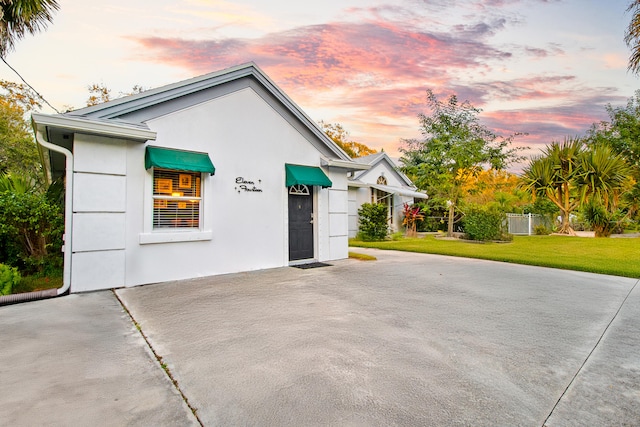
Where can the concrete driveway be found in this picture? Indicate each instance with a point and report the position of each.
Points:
(409, 339)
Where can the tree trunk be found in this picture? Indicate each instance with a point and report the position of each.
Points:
(565, 227)
(452, 210)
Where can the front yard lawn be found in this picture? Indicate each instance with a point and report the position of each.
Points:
(615, 256)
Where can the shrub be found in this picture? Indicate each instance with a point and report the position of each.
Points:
(373, 222)
(9, 277)
(31, 231)
(398, 235)
(541, 230)
(483, 224)
(603, 222)
(412, 215)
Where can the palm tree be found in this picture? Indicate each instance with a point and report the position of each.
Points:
(19, 17)
(603, 174)
(571, 176)
(632, 36)
(553, 175)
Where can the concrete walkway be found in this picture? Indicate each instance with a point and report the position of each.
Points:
(409, 339)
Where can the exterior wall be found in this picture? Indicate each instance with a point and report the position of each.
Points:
(358, 196)
(382, 168)
(99, 203)
(245, 137)
(338, 217)
(398, 207)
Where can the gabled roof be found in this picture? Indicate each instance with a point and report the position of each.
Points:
(124, 109)
(374, 159)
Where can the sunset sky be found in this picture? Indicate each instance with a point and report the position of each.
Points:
(545, 67)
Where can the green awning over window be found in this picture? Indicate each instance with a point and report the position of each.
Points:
(167, 158)
(306, 175)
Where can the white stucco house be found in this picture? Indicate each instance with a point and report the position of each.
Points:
(381, 182)
(218, 174)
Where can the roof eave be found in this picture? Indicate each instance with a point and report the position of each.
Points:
(119, 107)
(117, 130)
(350, 165)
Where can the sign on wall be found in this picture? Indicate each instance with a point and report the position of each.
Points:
(247, 186)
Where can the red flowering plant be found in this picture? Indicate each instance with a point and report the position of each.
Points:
(412, 214)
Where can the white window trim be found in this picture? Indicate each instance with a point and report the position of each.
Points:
(174, 235)
(171, 237)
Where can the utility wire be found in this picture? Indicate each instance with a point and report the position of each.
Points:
(30, 87)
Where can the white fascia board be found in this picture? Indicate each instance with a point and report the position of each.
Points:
(392, 165)
(345, 164)
(118, 130)
(358, 184)
(400, 191)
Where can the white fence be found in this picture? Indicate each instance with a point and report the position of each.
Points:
(525, 223)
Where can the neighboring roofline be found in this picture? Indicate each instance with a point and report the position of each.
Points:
(94, 127)
(409, 192)
(131, 103)
(401, 191)
(357, 184)
(386, 157)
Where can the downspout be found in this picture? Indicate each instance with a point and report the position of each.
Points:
(68, 209)
(68, 219)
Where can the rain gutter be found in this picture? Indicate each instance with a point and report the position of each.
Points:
(68, 219)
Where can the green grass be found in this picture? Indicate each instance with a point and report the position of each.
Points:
(618, 257)
(33, 283)
(361, 257)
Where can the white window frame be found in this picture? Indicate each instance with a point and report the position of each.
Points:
(152, 235)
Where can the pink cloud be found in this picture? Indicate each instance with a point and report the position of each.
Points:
(373, 74)
(322, 56)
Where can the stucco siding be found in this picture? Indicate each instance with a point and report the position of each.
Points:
(99, 193)
(98, 231)
(101, 155)
(99, 213)
(247, 140)
(92, 271)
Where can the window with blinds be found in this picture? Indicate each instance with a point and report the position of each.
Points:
(176, 199)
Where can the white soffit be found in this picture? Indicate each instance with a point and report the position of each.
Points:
(79, 125)
(400, 191)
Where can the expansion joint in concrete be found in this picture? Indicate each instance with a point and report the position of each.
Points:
(564, 392)
(159, 359)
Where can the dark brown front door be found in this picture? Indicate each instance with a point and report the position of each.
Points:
(300, 226)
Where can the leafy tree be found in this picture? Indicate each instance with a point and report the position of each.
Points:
(31, 230)
(21, 17)
(21, 95)
(496, 188)
(18, 152)
(454, 147)
(622, 134)
(341, 137)
(99, 93)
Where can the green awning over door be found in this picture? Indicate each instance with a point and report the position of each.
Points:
(167, 158)
(306, 175)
